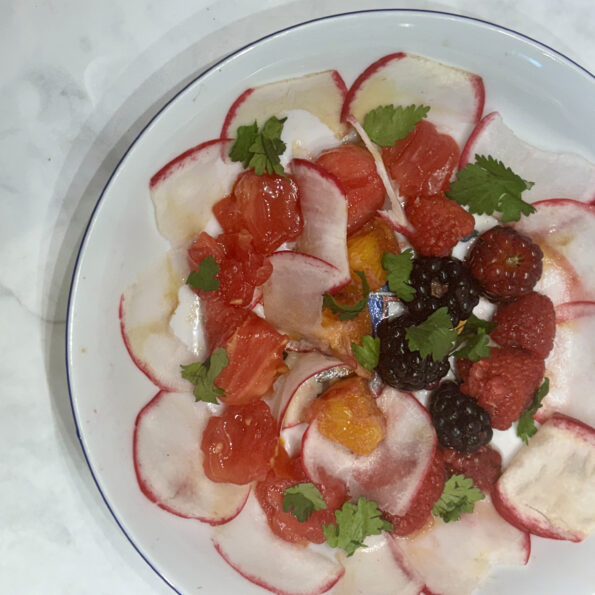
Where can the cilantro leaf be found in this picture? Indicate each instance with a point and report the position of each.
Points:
(240, 151)
(387, 124)
(354, 522)
(398, 268)
(302, 500)
(205, 278)
(473, 340)
(203, 376)
(526, 426)
(367, 354)
(345, 311)
(459, 496)
(487, 186)
(435, 336)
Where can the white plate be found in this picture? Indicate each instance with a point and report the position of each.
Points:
(543, 96)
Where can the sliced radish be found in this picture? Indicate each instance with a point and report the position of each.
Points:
(455, 558)
(455, 97)
(249, 546)
(565, 229)
(548, 488)
(168, 461)
(321, 94)
(324, 211)
(185, 190)
(554, 173)
(394, 472)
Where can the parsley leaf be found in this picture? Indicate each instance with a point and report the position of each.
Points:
(203, 376)
(205, 278)
(387, 124)
(398, 268)
(526, 426)
(302, 500)
(368, 353)
(345, 311)
(435, 336)
(473, 340)
(354, 522)
(240, 151)
(459, 496)
(487, 186)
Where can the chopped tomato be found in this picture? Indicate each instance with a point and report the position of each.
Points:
(239, 444)
(356, 171)
(221, 321)
(422, 163)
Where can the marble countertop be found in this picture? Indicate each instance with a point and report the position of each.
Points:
(78, 81)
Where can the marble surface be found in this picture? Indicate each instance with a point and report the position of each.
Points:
(78, 81)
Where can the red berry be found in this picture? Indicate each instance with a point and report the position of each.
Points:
(529, 323)
(504, 383)
(462, 367)
(483, 466)
(506, 263)
(439, 224)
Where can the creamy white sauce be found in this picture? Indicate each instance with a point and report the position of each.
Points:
(187, 322)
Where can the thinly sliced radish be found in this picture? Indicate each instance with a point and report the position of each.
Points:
(548, 488)
(145, 310)
(249, 546)
(554, 174)
(570, 365)
(394, 472)
(168, 461)
(185, 190)
(324, 211)
(455, 97)
(321, 94)
(565, 229)
(455, 558)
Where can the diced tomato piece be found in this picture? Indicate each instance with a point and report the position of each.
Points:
(422, 163)
(221, 321)
(228, 214)
(239, 444)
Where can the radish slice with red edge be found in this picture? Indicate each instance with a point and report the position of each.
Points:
(553, 173)
(249, 546)
(548, 488)
(455, 97)
(168, 461)
(392, 475)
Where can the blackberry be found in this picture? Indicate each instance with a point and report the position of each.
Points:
(442, 282)
(398, 365)
(460, 422)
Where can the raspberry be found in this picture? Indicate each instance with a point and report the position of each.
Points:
(439, 224)
(459, 421)
(529, 323)
(442, 282)
(484, 466)
(504, 383)
(506, 263)
(462, 367)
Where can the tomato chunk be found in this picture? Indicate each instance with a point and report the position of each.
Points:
(239, 444)
(356, 171)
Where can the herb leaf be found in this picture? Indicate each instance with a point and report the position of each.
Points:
(240, 151)
(459, 496)
(205, 278)
(203, 376)
(487, 186)
(345, 311)
(302, 500)
(398, 268)
(435, 336)
(368, 353)
(526, 426)
(354, 522)
(387, 124)
(473, 340)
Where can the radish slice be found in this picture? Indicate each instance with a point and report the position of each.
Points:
(548, 488)
(249, 546)
(570, 364)
(168, 461)
(455, 97)
(455, 558)
(185, 190)
(565, 229)
(394, 472)
(145, 310)
(554, 173)
(321, 94)
(324, 211)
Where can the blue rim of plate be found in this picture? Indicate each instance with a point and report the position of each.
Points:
(169, 102)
